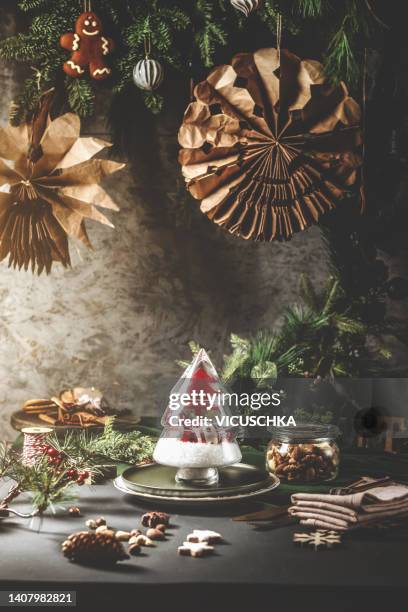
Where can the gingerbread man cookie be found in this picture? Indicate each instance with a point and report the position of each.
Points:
(89, 48)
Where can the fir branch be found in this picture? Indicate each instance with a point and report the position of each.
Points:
(179, 31)
(81, 96)
(26, 102)
(30, 5)
(45, 485)
(341, 61)
(349, 326)
(96, 450)
(323, 337)
(310, 8)
(332, 294)
(154, 102)
(307, 292)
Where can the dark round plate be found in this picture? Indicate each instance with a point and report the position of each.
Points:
(155, 481)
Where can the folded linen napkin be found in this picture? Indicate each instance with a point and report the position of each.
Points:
(342, 512)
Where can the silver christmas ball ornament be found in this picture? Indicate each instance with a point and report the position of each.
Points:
(148, 74)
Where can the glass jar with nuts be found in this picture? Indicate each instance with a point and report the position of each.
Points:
(305, 453)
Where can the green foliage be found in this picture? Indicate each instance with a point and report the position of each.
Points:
(106, 448)
(45, 484)
(340, 57)
(194, 348)
(311, 8)
(83, 451)
(154, 102)
(130, 447)
(5, 459)
(318, 415)
(80, 96)
(209, 33)
(182, 34)
(264, 371)
(322, 337)
(344, 57)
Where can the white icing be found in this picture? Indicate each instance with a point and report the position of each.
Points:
(75, 67)
(196, 548)
(105, 45)
(101, 71)
(204, 535)
(75, 42)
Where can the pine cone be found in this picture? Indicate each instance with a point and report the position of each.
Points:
(92, 548)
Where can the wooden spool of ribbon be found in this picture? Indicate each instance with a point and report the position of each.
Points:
(34, 444)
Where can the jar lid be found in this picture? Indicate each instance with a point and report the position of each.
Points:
(305, 432)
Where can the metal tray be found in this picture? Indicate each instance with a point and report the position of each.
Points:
(156, 482)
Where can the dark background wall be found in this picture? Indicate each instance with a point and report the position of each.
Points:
(125, 312)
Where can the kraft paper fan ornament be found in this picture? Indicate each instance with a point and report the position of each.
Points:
(48, 187)
(269, 146)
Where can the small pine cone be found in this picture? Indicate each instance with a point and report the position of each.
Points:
(152, 519)
(92, 548)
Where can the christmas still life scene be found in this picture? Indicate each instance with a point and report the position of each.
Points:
(204, 290)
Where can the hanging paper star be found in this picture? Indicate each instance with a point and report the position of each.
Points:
(48, 187)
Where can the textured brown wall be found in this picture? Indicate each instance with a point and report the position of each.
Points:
(124, 313)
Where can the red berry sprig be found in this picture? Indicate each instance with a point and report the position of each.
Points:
(55, 458)
(74, 475)
(82, 477)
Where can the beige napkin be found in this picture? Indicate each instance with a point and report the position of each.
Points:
(343, 512)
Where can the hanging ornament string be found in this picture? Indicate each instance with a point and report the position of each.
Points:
(363, 126)
(278, 33)
(87, 6)
(147, 45)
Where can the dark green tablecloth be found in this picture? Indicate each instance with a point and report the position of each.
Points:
(365, 560)
(367, 565)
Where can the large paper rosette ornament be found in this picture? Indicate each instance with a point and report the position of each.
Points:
(269, 145)
(48, 187)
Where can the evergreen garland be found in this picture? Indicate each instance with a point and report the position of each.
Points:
(109, 447)
(186, 35)
(322, 336)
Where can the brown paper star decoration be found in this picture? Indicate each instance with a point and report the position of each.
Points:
(268, 145)
(48, 187)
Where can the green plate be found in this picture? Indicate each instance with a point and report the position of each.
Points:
(156, 482)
